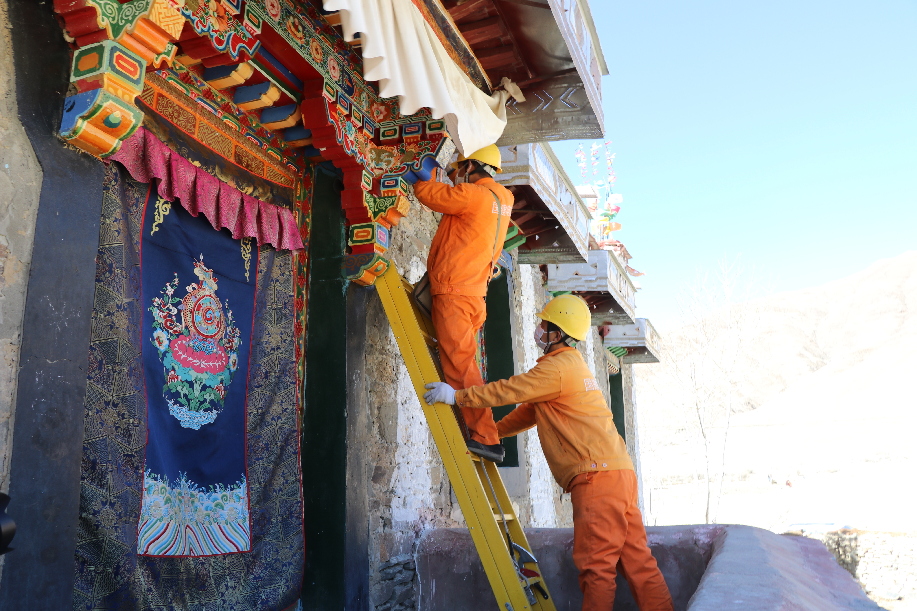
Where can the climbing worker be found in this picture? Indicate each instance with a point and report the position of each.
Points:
(586, 455)
(467, 244)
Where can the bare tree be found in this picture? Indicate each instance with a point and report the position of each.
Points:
(703, 359)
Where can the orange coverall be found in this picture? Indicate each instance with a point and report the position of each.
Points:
(460, 265)
(588, 459)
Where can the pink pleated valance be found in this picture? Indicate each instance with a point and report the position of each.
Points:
(146, 157)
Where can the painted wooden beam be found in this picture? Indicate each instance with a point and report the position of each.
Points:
(252, 97)
(224, 77)
(277, 73)
(187, 60)
(280, 117)
(100, 117)
(483, 30)
(297, 136)
(472, 8)
(497, 57)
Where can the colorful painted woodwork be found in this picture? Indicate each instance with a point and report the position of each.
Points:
(231, 75)
(108, 77)
(222, 26)
(149, 28)
(221, 105)
(253, 97)
(225, 74)
(116, 41)
(380, 152)
(221, 132)
(280, 117)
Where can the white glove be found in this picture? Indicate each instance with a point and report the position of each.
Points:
(439, 392)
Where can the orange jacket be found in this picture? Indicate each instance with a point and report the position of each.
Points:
(463, 251)
(562, 398)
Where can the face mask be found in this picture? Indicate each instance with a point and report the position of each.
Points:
(539, 338)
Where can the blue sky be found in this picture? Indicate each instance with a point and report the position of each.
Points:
(782, 133)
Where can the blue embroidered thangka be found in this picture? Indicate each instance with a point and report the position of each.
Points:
(199, 289)
(191, 435)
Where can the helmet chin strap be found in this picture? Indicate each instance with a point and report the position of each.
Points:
(550, 345)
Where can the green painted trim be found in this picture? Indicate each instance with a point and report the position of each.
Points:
(616, 390)
(117, 17)
(324, 437)
(498, 338)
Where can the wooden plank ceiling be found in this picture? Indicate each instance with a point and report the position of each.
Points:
(485, 28)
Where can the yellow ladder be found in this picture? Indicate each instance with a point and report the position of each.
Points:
(488, 512)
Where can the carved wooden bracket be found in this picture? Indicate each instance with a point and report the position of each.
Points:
(103, 114)
(115, 43)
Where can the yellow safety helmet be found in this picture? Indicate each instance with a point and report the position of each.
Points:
(489, 154)
(570, 313)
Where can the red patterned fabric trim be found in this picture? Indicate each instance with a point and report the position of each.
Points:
(146, 157)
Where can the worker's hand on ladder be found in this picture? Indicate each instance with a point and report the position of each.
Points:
(439, 392)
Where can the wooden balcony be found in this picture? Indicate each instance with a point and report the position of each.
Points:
(551, 216)
(551, 50)
(602, 282)
(640, 340)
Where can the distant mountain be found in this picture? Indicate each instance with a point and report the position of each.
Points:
(824, 409)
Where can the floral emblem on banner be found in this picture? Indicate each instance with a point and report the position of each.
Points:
(197, 343)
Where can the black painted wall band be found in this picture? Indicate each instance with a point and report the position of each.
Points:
(48, 433)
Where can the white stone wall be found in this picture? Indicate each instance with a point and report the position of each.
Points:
(884, 563)
(887, 568)
(632, 429)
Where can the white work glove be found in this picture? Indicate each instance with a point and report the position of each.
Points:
(439, 392)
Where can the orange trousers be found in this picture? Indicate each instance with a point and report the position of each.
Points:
(457, 320)
(608, 532)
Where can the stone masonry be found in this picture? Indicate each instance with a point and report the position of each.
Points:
(20, 185)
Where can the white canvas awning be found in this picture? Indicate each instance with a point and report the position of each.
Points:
(402, 52)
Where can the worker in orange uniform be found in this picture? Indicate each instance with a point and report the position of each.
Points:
(476, 213)
(586, 455)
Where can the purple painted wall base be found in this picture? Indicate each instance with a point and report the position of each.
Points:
(707, 568)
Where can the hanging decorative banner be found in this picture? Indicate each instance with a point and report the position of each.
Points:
(581, 161)
(198, 290)
(197, 475)
(609, 162)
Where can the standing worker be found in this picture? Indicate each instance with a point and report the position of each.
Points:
(466, 246)
(586, 455)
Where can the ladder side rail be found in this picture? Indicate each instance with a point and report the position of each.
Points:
(515, 527)
(410, 326)
(451, 445)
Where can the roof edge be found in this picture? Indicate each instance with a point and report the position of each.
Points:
(593, 34)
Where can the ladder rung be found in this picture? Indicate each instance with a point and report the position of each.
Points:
(431, 341)
(506, 517)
